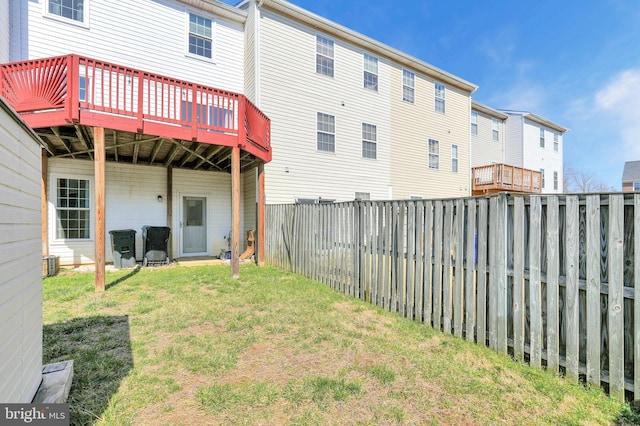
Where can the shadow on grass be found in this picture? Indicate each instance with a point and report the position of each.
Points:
(630, 415)
(101, 349)
(123, 278)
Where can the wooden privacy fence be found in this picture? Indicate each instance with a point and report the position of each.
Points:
(551, 279)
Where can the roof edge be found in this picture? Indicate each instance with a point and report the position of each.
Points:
(325, 25)
(4, 105)
(224, 10)
(488, 110)
(538, 119)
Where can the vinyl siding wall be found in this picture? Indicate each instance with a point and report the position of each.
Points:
(20, 263)
(145, 34)
(132, 202)
(412, 127)
(292, 94)
(514, 141)
(250, 52)
(485, 150)
(536, 157)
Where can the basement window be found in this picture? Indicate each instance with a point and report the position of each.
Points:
(73, 209)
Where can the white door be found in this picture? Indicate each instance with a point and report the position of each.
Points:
(194, 225)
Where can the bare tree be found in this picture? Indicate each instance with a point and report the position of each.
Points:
(578, 180)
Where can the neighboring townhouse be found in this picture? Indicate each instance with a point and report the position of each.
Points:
(487, 135)
(352, 117)
(535, 143)
(631, 176)
(155, 89)
(490, 172)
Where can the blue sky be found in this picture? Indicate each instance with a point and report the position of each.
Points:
(576, 63)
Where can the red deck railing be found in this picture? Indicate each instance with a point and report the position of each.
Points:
(74, 89)
(501, 177)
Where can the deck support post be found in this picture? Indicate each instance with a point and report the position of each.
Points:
(261, 210)
(43, 197)
(170, 210)
(235, 212)
(100, 186)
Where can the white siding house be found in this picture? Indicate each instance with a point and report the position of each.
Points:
(20, 260)
(190, 40)
(535, 143)
(145, 34)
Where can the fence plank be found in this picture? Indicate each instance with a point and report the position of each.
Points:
(380, 256)
(411, 231)
(447, 276)
(492, 287)
(427, 264)
(458, 292)
(469, 284)
(519, 307)
(636, 299)
(437, 265)
(571, 302)
(481, 300)
(615, 309)
(419, 244)
(593, 289)
(535, 290)
(402, 257)
(388, 256)
(501, 274)
(553, 295)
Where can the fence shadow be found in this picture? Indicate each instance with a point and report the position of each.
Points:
(101, 349)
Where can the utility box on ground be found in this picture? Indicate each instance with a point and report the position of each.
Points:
(123, 245)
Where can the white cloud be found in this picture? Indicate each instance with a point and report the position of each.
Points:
(620, 99)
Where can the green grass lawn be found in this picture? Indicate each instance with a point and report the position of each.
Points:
(178, 345)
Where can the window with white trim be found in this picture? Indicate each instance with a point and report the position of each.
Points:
(369, 141)
(200, 36)
(370, 64)
(324, 56)
(555, 142)
(408, 86)
(555, 180)
(636, 186)
(326, 139)
(434, 154)
(474, 123)
(495, 128)
(73, 209)
(82, 89)
(454, 158)
(542, 173)
(541, 137)
(363, 196)
(440, 89)
(69, 9)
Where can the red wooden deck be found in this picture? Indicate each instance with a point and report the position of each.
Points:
(72, 89)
